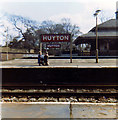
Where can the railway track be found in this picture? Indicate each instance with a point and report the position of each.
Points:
(60, 94)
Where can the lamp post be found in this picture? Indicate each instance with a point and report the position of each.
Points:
(96, 14)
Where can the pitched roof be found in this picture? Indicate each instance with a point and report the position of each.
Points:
(105, 30)
(100, 34)
(110, 23)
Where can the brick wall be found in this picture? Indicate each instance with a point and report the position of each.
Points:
(3, 56)
(12, 53)
(5, 49)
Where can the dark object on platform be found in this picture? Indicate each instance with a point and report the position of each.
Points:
(46, 59)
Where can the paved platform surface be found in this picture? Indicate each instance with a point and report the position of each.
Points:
(60, 110)
(61, 63)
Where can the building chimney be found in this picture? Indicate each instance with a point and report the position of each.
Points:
(117, 10)
(116, 14)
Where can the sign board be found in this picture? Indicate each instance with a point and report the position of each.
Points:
(55, 37)
(58, 38)
(53, 45)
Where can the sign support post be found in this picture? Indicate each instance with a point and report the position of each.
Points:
(70, 49)
(40, 46)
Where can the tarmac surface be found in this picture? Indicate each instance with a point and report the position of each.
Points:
(61, 63)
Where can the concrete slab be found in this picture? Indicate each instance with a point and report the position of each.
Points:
(59, 110)
(35, 110)
(96, 110)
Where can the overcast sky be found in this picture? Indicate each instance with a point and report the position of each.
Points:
(80, 12)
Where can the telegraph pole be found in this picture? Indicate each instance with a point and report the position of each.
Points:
(7, 44)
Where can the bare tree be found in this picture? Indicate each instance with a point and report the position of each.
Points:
(70, 29)
(26, 28)
(104, 17)
(30, 31)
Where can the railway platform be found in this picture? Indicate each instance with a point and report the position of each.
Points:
(61, 63)
(60, 71)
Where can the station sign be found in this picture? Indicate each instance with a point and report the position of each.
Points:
(53, 45)
(55, 37)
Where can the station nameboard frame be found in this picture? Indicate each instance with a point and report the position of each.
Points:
(58, 38)
(55, 37)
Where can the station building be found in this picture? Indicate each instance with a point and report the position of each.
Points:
(107, 38)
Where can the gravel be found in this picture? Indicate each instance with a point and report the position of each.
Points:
(64, 90)
(102, 99)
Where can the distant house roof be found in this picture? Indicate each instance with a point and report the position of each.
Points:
(106, 30)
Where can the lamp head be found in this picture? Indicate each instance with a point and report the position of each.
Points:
(96, 12)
